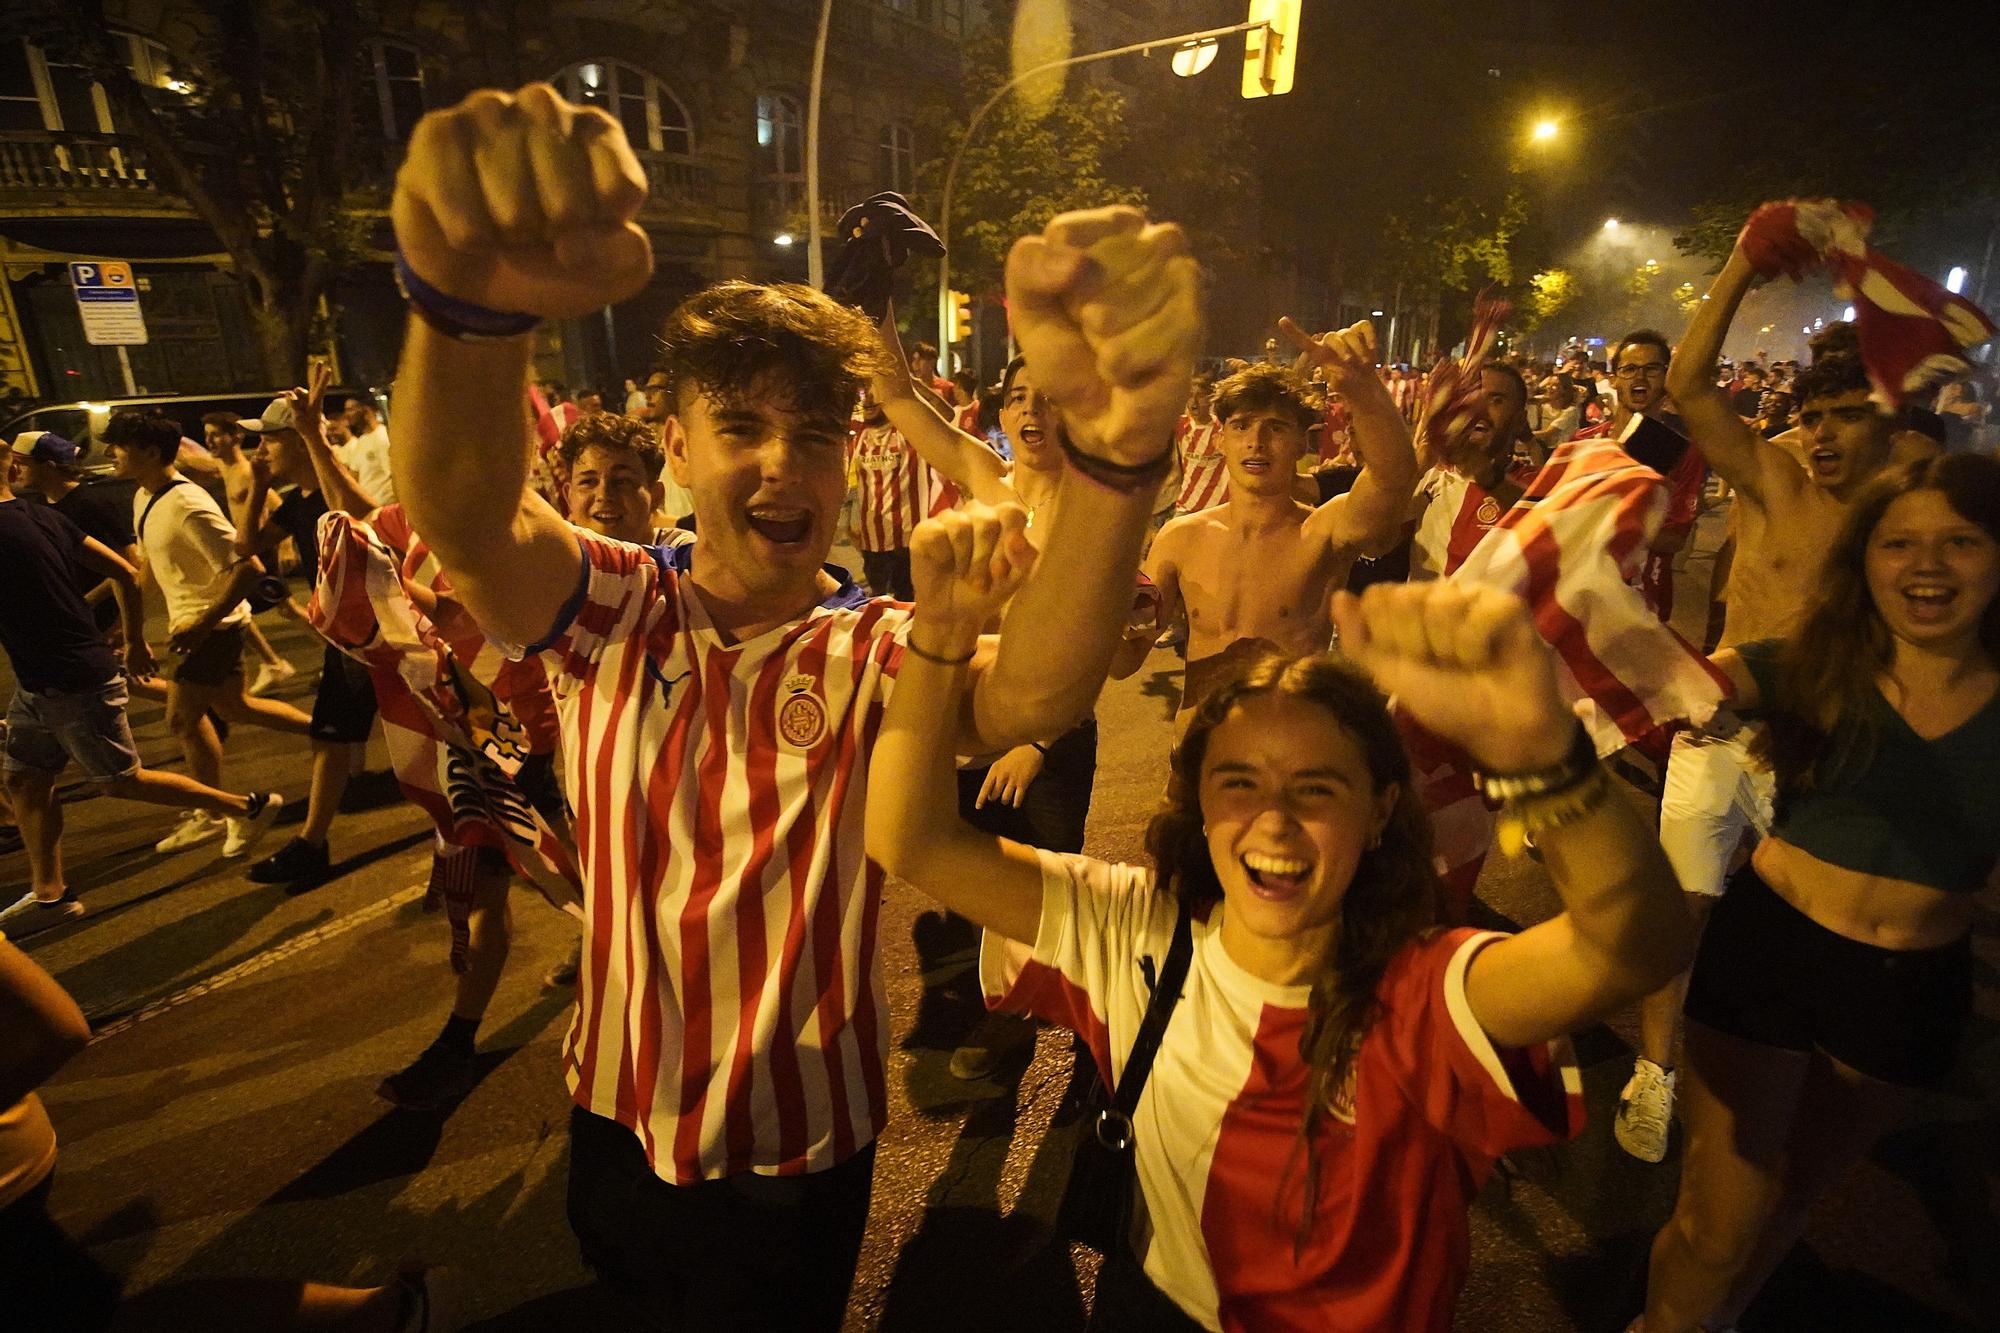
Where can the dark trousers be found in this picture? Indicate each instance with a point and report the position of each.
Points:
(46, 1277)
(744, 1252)
(1128, 1302)
(1057, 805)
(888, 573)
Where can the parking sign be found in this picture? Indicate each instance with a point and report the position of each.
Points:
(107, 301)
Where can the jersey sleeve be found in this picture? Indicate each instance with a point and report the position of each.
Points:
(1684, 490)
(621, 591)
(1088, 969)
(1488, 1099)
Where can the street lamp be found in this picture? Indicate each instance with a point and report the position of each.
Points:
(1611, 224)
(1193, 58)
(1954, 281)
(1545, 130)
(783, 238)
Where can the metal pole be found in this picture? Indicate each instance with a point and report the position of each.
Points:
(815, 265)
(979, 117)
(125, 368)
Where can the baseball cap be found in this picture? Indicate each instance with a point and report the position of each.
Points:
(44, 446)
(277, 416)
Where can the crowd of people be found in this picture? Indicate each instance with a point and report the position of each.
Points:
(615, 664)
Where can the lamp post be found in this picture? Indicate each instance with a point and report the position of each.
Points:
(815, 264)
(979, 118)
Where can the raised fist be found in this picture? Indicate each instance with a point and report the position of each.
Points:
(966, 563)
(523, 202)
(1466, 662)
(1107, 310)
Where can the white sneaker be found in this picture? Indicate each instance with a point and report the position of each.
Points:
(1645, 1112)
(246, 830)
(270, 676)
(195, 828)
(28, 913)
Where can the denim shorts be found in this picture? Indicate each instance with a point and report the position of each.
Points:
(45, 731)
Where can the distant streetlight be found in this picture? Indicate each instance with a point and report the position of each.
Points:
(1611, 224)
(1545, 130)
(1848, 314)
(782, 238)
(1194, 57)
(1376, 313)
(1954, 281)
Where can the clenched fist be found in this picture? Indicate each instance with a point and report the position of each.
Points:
(523, 202)
(966, 563)
(1467, 662)
(1107, 310)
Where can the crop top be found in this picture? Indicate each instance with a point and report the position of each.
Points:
(1925, 811)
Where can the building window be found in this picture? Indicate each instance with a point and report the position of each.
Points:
(781, 153)
(20, 89)
(654, 119)
(37, 93)
(396, 74)
(897, 158)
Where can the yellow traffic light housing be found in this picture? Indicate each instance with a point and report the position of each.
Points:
(1271, 53)
(961, 316)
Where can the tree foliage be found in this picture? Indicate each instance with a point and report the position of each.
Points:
(1450, 245)
(1549, 293)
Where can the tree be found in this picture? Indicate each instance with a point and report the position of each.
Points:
(260, 146)
(1549, 293)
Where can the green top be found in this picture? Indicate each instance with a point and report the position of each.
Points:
(1926, 811)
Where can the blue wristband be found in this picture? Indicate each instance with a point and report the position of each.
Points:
(455, 318)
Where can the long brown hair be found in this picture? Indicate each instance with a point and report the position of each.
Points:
(1393, 897)
(1826, 719)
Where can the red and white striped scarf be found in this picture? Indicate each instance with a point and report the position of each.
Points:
(1913, 332)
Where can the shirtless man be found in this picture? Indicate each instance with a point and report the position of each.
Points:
(1785, 518)
(1256, 572)
(223, 434)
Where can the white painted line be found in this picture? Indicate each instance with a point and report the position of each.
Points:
(269, 958)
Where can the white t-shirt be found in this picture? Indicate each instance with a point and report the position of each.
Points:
(190, 548)
(367, 457)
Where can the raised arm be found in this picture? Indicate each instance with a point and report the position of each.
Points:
(337, 486)
(1732, 448)
(966, 462)
(964, 566)
(122, 577)
(509, 208)
(1469, 665)
(1107, 310)
(1369, 518)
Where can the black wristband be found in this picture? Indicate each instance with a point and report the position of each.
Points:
(1124, 478)
(1576, 765)
(458, 319)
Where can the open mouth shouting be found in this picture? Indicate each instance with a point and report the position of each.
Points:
(1928, 602)
(781, 525)
(1825, 462)
(1276, 877)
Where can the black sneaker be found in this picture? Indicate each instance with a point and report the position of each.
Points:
(298, 863)
(439, 1075)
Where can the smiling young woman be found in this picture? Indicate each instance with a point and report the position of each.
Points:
(1834, 979)
(1337, 1073)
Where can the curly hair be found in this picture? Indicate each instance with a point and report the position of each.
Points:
(1267, 386)
(728, 339)
(1826, 720)
(155, 432)
(1834, 375)
(613, 430)
(1395, 894)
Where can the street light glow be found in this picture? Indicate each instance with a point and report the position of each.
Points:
(1546, 130)
(782, 238)
(1376, 313)
(1611, 224)
(1954, 281)
(1191, 58)
(1848, 314)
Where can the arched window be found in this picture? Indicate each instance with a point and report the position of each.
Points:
(654, 119)
(897, 157)
(781, 136)
(395, 80)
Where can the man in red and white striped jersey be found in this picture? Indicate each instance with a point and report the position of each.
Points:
(1460, 498)
(719, 701)
(893, 491)
(1197, 448)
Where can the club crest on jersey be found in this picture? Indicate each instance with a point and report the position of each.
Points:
(1488, 513)
(801, 714)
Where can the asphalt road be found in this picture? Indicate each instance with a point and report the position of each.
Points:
(224, 1122)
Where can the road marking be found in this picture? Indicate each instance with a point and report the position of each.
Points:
(269, 958)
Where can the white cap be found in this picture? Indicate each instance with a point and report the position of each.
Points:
(277, 416)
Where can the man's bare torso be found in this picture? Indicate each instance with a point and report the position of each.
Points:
(1781, 547)
(1267, 582)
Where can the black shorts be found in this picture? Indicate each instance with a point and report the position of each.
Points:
(48, 1277)
(344, 704)
(1057, 804)
(219, 657)
(1768, 973)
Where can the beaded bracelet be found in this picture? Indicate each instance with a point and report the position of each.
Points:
(1577, 763)
(1528, 818)
(456, 319)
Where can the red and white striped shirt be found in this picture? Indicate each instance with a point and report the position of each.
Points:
(894, 488)
(1204, 476)
(1432, 1104)
(731, 1009)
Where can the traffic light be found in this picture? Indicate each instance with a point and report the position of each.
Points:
(1270, 55)
(961, 317)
